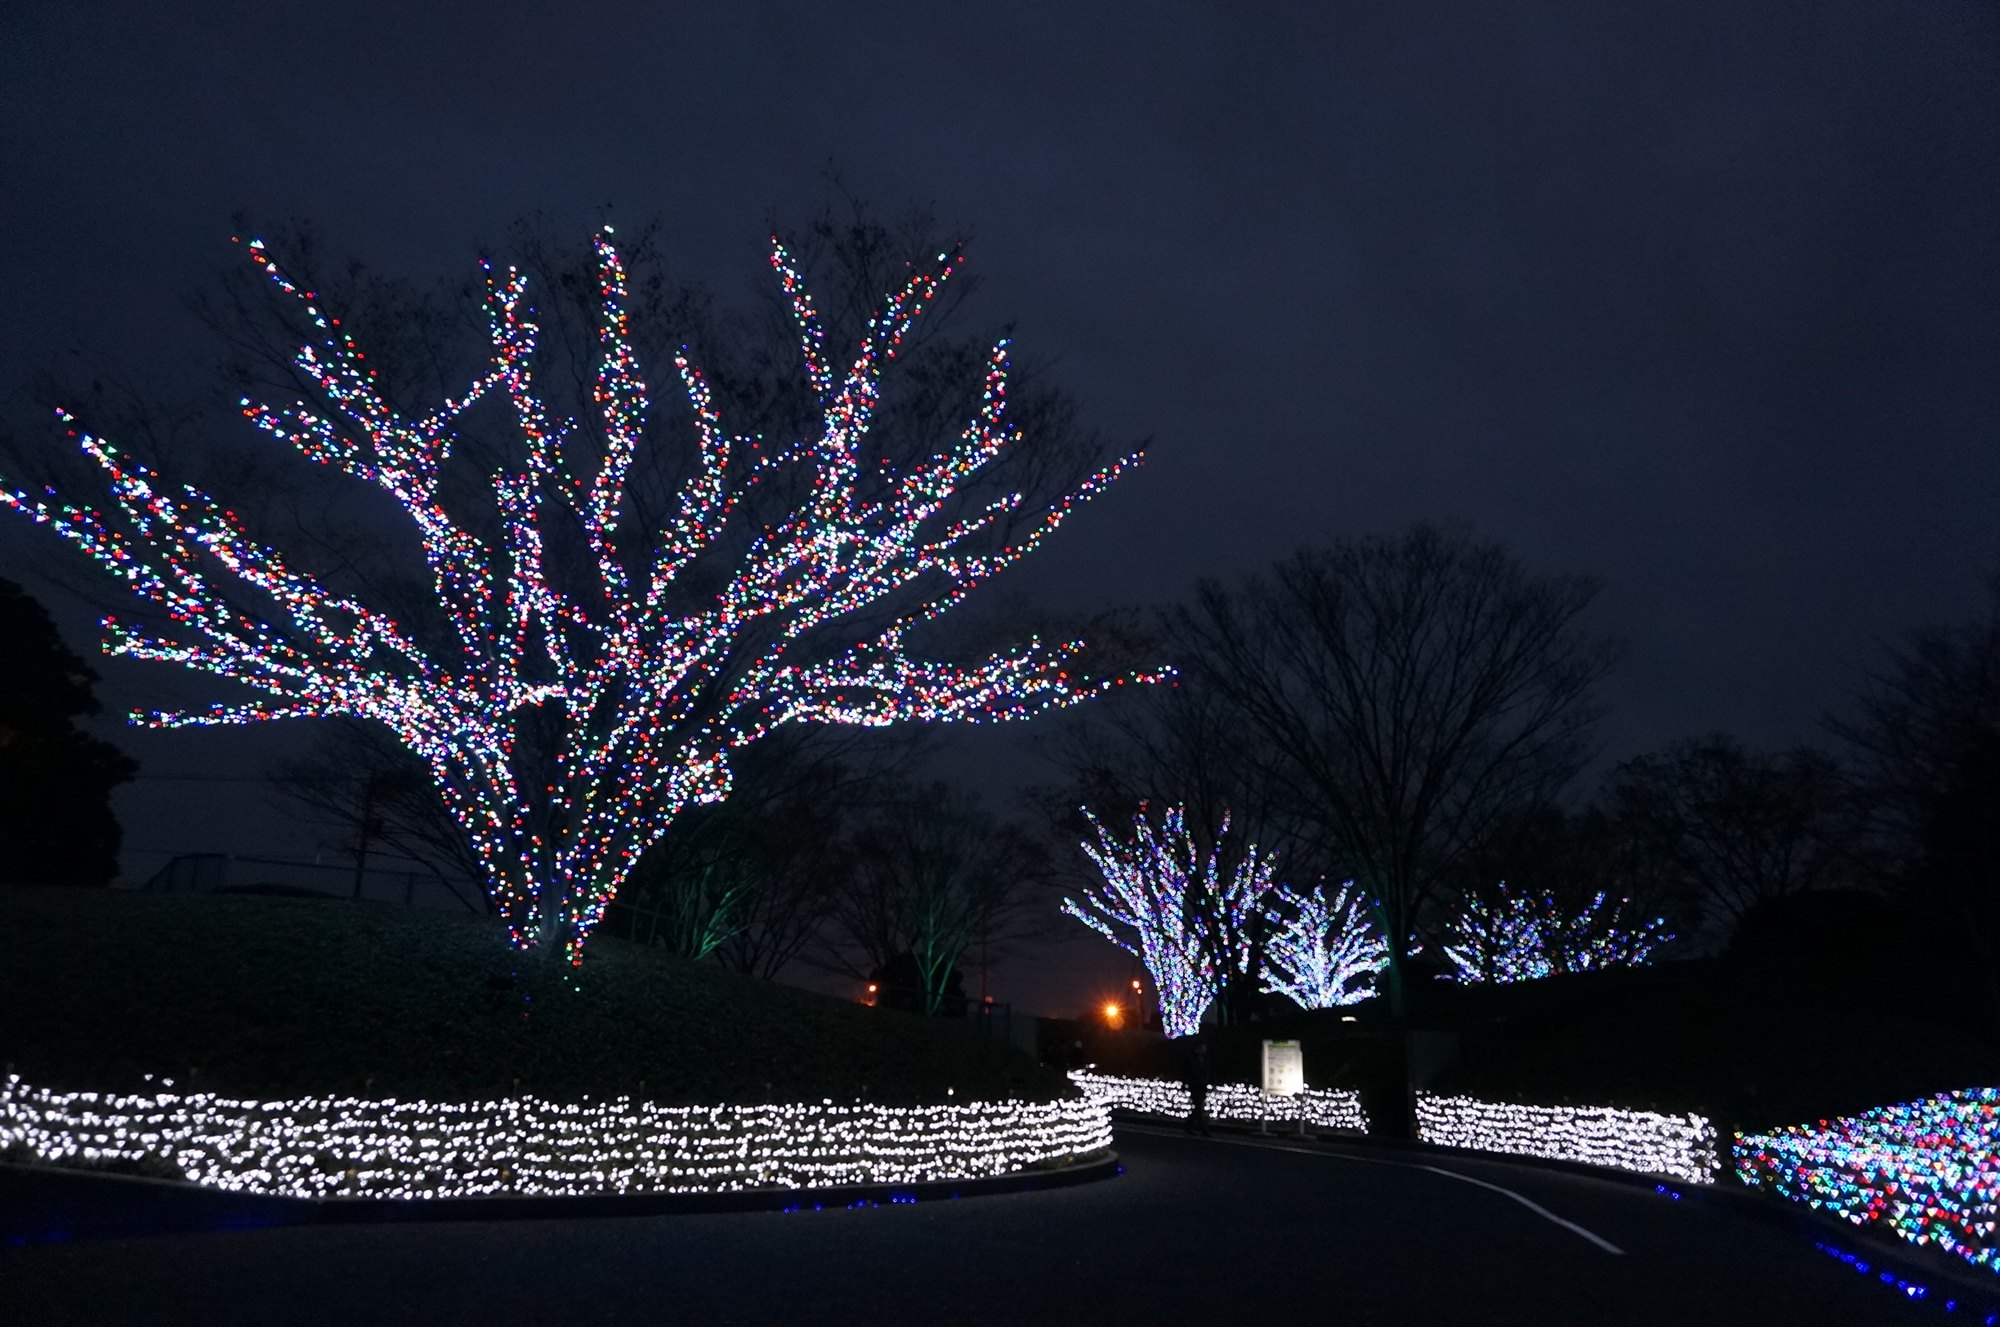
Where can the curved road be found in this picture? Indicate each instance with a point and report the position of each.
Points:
(1197, 1231)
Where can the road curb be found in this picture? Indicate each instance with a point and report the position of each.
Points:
(50, 1204)
(1897, 1263)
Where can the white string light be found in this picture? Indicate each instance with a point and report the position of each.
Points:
(1333, 1108)
(1682, 1146)
(347, 1147)
(1322, 952)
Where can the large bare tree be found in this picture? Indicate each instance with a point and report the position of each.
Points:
(933, 874)
(1411, 690)
(1736, 827)
(594, 635)
(360, 782)
(750, 881)
(1926, 734)
(1181, 746)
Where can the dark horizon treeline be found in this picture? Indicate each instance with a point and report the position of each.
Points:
(835, 852)
(1416, 712)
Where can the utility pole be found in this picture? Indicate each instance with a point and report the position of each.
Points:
(367, 824)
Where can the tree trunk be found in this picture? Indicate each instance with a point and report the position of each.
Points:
(367, 824)
(1393, 1110)
(1399, 989)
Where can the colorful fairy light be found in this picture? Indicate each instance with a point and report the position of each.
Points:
(1890, 1280)
(1322, 952)
(344, 1147)
(1504, 941)
(1927, 1170)
(1325, 1108)
(1681, 1146)
(1185, 918)
(650, 700)
(1528, 935)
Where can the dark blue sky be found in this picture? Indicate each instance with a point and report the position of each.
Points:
(1699, 299)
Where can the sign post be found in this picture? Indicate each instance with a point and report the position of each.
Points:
(1284, 1075)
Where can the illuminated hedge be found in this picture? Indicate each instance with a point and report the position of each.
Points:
(324, 1147)
(1331, 1109)
(1925, 1169)
(1682, 1146)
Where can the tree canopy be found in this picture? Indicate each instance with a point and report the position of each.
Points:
(56, 822)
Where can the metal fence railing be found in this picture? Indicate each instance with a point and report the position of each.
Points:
(412, 885)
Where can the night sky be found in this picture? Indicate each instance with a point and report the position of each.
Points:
(1700, 301)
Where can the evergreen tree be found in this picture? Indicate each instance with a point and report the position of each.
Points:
(56, 825)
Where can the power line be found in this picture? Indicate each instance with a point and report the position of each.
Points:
(257, 778)
(207, 778)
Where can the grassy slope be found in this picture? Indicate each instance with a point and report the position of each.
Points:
(271, 996)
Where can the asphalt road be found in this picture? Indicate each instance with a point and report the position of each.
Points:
(1195, 1231)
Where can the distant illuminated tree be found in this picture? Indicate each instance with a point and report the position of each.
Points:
(1523, 935)
(1322, 952)
(1189, 921)
(1500, 939)
(1610, 933)
(597, 671)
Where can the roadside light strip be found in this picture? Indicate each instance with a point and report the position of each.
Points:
(1926, 1170)
(347, 1147)
(1682, 1146)
(1326, 1109)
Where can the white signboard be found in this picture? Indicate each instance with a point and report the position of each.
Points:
(1284, 1068)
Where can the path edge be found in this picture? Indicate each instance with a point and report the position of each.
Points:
(50, 1204)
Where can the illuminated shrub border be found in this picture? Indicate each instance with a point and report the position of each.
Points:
(1682, 1146)
(325, 1147)
(1330, 1109)
(1926, 1170)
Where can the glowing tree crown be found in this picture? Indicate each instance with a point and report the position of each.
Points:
(1527, 935)
(1323, 951)
(1175, 908)
(650, 698)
